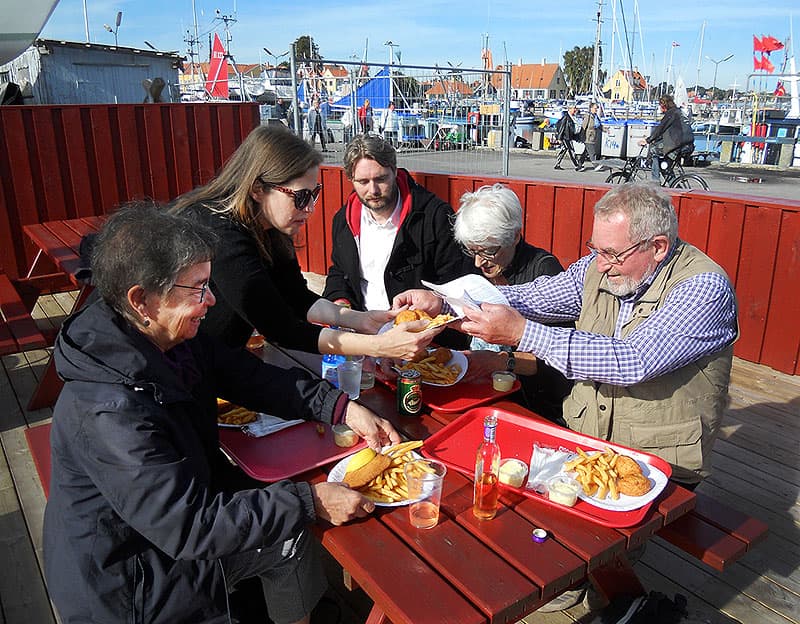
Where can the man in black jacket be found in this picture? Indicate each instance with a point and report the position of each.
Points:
(390, 234)
(566, 134)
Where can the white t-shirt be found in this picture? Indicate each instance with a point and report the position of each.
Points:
(374, 248)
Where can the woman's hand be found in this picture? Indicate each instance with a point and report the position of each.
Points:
(406, 340)
(377, 431)
(336, 503)
(373, 320)
(419, 299)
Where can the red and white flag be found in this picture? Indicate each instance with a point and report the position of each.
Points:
(758, 45)
(766, 65)
(780, 90)
(771, 44)
(217, 81)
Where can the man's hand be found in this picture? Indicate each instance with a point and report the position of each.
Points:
(337, 503)
(498, 324)
(377, 431)
(419, 299)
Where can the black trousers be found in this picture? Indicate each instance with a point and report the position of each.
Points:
(566, 148)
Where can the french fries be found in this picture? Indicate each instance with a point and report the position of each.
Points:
(434, 373)
(390, 485)
(596, 473)
(237, 416)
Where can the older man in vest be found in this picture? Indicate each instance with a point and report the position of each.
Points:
(655, 321)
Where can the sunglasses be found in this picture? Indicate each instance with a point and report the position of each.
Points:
(302, 197)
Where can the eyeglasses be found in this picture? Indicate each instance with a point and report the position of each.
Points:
(302, 197)
(203, 289)
(487, 253)
(613, 257)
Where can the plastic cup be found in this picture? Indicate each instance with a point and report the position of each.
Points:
(368, 373)
(424, 478)
(350, 377)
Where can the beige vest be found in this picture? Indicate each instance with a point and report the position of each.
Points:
(675, 416)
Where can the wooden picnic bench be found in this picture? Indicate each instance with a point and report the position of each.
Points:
(18, 330)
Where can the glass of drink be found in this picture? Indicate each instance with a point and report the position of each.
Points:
(350, 376)
(368, 373)
(425, 478)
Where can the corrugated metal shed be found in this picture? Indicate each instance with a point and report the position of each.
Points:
(64, 72)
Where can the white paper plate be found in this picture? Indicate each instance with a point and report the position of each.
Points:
(624, 502)
(336, 475)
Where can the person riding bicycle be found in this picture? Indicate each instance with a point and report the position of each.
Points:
(671, 137)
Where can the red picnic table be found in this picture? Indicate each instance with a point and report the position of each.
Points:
(60, 242)
(471, 570)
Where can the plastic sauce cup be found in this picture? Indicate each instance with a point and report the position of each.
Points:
(503, 381)
(344, 436)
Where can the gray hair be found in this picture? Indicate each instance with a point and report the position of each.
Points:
(649, 210)
(142, 244)
(369, 146)
(492, 214)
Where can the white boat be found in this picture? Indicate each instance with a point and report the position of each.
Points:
(21, 25)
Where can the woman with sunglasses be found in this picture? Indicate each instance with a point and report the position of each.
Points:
(260, 199)
(488, 226)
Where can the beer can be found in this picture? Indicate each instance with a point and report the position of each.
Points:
(409, 393)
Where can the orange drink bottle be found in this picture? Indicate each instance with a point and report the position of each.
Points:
(487, 470)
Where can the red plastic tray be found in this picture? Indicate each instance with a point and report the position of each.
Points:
(457, 398)
(457, 442)
(284, 454)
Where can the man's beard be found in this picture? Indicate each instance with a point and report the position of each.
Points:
(382, 204)
(624, 286)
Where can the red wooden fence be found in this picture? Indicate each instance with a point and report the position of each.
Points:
(60, 162)
(756, 240)
(68, 161)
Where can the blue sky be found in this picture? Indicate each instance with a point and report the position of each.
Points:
(437, 31)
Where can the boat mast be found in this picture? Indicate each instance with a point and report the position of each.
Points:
(700, 59)
(596, 90)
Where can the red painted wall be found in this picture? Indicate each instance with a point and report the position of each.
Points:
(59, 162)
(70, 161)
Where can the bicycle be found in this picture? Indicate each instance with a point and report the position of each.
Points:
(639, 168)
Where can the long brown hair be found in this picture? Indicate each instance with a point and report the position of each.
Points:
(269, 155)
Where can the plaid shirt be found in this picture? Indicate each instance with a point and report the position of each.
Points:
(698, 318)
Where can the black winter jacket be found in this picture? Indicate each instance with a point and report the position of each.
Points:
(424, 249)
(140, 507)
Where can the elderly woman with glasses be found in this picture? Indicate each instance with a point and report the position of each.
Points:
(146, 520)
(488, 226)
(258, 202)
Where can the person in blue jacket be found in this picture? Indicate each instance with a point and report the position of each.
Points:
(146, 520)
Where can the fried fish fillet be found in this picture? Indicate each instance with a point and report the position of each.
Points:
(361, 476)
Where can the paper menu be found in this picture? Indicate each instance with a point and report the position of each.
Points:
(469, 291)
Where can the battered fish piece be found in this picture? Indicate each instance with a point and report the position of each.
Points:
(408, 316)
(627, 466)
(442, 355)
(361, 476)
(634, 485)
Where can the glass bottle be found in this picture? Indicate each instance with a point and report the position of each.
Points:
(487, 470)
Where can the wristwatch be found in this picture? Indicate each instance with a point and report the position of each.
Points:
(511, 362)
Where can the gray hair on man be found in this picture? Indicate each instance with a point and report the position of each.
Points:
(648, 207)
(490, 215)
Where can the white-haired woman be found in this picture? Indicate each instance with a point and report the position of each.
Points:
(488, 226)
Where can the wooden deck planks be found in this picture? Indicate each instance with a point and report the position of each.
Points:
(756, 470)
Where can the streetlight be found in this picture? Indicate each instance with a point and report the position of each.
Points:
(276, 56)
(115, 31)
(716, 66)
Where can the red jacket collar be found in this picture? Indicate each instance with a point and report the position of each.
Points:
(354, 205)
